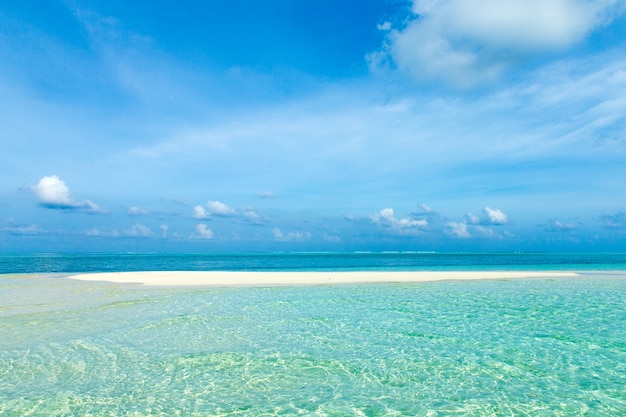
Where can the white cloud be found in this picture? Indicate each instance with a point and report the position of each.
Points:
(465, 42)
(424, 209)
(384, 26)
(425, 7)
(490, 217)
(290, 236)
(474, 226)
(554, 225)
(164, 229)
(483, 232)
(32, 229)
(200, 212)
(494, 216)
(52, 192)
(387, 219)
(251, 217)
(472, 218)
(96, 232)
(463, 230)
(331, 238)
(219, 209)
(136, 211)
(615, 221)
(458, 230)
(138, 230)
(203, 232)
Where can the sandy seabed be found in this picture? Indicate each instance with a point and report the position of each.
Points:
(232, 278)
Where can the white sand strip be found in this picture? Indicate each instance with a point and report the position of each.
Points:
(231, 278)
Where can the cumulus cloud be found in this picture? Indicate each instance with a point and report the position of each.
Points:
(203, 232)
(475, 226)
(466, 42)
(200, 212)
(407, 225)
(490, 217)
(217, 208)
(494, 216)
(290, 236)
(52, 192)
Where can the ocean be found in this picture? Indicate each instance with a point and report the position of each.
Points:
(523, 347)
(325, 261)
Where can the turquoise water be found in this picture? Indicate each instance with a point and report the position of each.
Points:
(327, 261)
(540, 347)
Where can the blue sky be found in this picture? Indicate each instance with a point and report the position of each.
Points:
(448, 125)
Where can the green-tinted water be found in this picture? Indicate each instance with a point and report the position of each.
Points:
(522, 347)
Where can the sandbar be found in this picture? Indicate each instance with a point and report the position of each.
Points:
(253, 278)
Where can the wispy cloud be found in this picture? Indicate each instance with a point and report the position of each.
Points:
(547, 138)
(616, 221)
(290, 236)
(99, 232)
(465, 43)
(137, 211)
(556, 225)
(138, 230)
(32, 229)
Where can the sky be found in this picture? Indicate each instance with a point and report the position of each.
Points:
(293, 125)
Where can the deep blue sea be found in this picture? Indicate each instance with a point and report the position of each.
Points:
(106, 262)
(523, 347)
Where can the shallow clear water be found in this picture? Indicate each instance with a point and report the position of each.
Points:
(479, 348)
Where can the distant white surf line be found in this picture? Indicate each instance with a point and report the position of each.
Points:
(246, 278)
